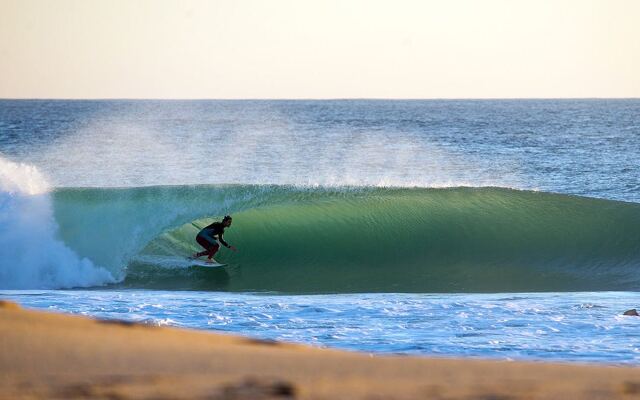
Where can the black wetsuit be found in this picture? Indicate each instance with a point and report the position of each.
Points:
(210, 231)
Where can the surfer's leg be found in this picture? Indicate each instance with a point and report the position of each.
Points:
(206, 244)
(213, 250)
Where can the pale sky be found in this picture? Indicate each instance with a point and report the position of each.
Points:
(319, 49)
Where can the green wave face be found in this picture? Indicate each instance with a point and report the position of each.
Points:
(408, 240)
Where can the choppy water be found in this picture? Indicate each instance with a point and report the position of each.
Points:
(359, 200)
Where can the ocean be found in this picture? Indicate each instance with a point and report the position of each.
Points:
(505, 229)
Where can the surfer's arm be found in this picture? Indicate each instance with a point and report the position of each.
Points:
(221, 240)
(227, 245)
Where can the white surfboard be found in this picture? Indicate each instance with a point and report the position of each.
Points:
(203, 263)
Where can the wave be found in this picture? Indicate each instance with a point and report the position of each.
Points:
(367, 239)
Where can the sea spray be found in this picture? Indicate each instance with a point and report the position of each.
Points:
(31, 255)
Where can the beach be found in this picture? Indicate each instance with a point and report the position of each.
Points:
(54, 356)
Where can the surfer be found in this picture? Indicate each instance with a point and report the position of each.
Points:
(207, 239)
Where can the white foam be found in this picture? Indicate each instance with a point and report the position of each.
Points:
(21, 178)
(31, 255)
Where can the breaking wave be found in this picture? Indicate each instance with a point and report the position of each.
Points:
(367, 239)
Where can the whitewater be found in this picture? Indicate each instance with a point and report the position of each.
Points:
(506, 228)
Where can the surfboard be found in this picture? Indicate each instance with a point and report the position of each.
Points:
(202, 263)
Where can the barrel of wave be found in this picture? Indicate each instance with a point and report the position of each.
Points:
(427, 240)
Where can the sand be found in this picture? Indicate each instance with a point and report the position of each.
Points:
(54, 356)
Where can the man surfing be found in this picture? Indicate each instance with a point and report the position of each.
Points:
(207, 239)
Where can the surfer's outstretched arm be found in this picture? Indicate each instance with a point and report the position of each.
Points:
(225, 244)
(221, 240)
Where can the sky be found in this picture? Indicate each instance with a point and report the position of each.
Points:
(192, 49)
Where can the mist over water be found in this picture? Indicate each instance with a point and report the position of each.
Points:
(585, 147)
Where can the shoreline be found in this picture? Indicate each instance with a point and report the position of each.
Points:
(58, 356)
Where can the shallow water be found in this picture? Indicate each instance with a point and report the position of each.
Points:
(575, 327)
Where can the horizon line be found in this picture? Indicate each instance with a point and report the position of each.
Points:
(307, 98)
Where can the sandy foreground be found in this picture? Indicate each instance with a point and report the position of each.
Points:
(53, 356)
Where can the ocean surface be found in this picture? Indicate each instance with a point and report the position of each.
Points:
(504, 229)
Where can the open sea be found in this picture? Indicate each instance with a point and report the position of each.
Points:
(504, 229)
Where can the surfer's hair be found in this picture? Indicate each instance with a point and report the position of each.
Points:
(227, 218)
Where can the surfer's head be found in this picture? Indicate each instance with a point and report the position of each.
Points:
(226, 221)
